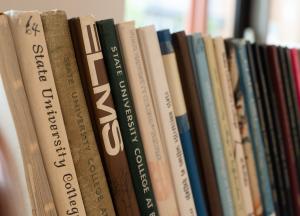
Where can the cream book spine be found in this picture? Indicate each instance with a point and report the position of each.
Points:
(155, 155)
(87, 161)
(38, 189)
(226, 137)
(166, 118)
(32, 52)
(227, 90)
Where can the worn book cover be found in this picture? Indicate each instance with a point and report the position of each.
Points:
(239, 155)
(25, 144)
(174, 83)
(205, 91)
(88, 165)
(244, 126)
(166, 118)
(157, 160)
(226, 135)
(103, 114)
(127, 117)
(32, 52)
(197, 121)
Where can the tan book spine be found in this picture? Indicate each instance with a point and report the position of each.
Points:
(239, 155)
(156, 158)
(244, 131)
(88, 165)
(42, 203)
(164, 111)
(39, 84)
(227, 140)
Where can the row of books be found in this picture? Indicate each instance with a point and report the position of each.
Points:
(118, 120)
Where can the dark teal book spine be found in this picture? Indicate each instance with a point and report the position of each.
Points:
(183, 124)
(255, 127)
(127, 118)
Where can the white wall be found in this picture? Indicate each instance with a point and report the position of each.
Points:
(102, 9)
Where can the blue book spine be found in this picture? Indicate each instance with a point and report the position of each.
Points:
(197, 50)
(255, 128)
(182, 121)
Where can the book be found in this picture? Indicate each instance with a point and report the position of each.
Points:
(255, 128)
(157, 160)
(244, 127)
(197, 51)
(164, 111)
(226, 136)
(177, 98)
(285, 127)
(197, 122)
(24, 145)
(87, 162)
(265, 137)
(277, 125)
(127, 117)
(296, 71)
(32, 52)
(239, 156)
(258, 77)
(103, 114)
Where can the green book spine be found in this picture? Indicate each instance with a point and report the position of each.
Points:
(127, 117)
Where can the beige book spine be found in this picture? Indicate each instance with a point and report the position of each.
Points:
(227, 140)
(244, 131)
(88, 165)
(227, 90)
(37, 183)
(156, 159)
(39, 84)
(164, 111)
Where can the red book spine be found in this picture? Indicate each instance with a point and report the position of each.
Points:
(296, 71)
(283, 116)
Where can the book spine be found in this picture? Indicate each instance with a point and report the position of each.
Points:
(238, 150)
(174, 83)
(205, 91)
(103, 113)
(82, 141)
(155, 155)
(255, 129)
(39, 83)
(283, 116)
(224, 128)
(127, 116)
(165, 115)
(244, 128)
(296, 71)
(198, 127)
(42, 202)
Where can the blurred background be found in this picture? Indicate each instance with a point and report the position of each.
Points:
(271, 21)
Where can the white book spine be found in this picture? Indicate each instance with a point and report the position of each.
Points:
(166, 118)
(155, 155)
(40, 87)
(37, 182)
(227, 90)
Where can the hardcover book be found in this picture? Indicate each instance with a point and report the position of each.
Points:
(32, 52)
(157, 160)
(103, 115)
(87, 162)
(174, 83)
(197, 122)
(24, 145)
(164, 110)
(197, 50)
(226, 136)
(127, 117)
